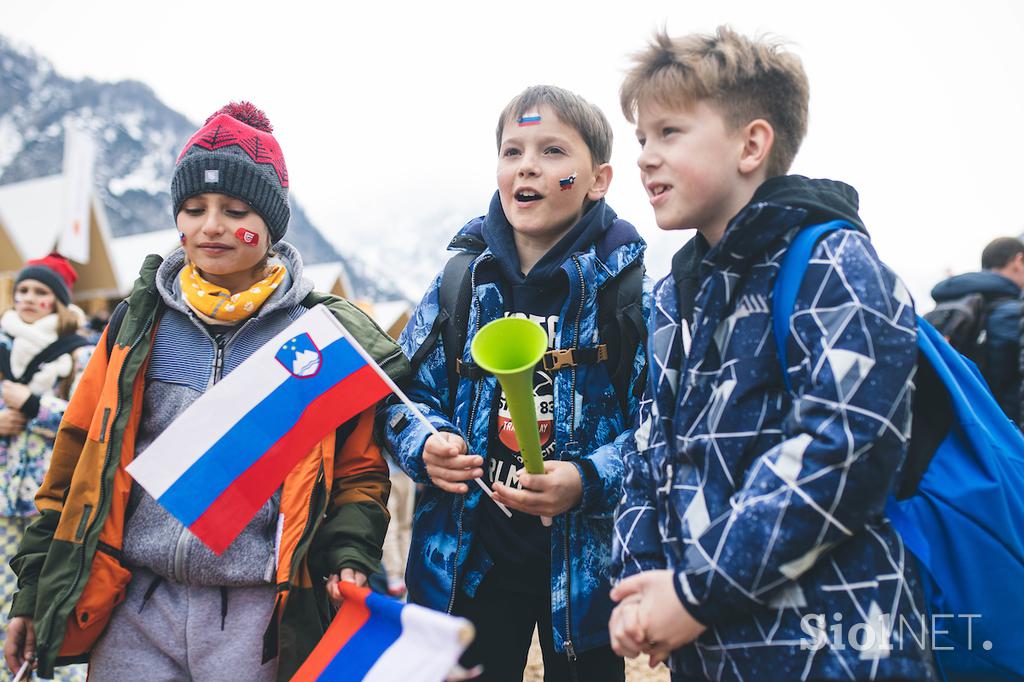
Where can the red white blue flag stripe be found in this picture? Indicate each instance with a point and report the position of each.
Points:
(227, 453)
(377, 639)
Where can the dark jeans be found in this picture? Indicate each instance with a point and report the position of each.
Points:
(505, 620)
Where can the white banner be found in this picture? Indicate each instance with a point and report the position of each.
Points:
(79, 157)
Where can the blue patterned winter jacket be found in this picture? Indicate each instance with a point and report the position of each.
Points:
(769, 505)
(588, 419)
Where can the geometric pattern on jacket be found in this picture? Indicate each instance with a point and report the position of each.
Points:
(588, 423)
(769, 506)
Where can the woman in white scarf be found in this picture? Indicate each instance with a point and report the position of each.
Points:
(41, 357)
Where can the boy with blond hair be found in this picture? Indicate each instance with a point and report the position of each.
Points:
(752, 541)
(549, 250)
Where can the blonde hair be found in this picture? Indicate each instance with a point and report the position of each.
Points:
(743, 79)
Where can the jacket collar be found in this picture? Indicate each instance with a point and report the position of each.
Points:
(291, 292)
(618, 244)
(778, 206)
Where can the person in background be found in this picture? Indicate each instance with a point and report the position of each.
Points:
(42, 357)
(992, 333)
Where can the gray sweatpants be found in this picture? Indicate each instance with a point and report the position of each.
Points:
(177, 635)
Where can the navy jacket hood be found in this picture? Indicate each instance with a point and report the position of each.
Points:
(497, 234)
(824, 200)
(991, 285)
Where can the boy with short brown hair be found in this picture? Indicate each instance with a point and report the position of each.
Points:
(547, 250)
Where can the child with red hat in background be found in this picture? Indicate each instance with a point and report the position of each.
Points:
(41, 359)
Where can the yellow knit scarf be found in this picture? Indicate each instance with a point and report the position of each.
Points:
(217, 305)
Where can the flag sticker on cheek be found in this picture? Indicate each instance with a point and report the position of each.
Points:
(567, 183)
(247, 236)
(181, 237)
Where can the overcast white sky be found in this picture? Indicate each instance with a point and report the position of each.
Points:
(385, 109)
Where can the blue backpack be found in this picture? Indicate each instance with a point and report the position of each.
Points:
(960, 505)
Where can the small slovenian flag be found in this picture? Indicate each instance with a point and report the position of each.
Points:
(529, 120)
(226, 454)
(377, 639)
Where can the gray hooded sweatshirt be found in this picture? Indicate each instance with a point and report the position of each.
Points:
(187, 359)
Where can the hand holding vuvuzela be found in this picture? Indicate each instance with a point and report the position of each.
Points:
(510, 349)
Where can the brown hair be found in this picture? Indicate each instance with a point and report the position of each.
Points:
(68, 321)
(573, 110)
(743, 79)
(1000, 252)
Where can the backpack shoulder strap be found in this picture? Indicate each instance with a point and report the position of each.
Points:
(787, 283)
(62, 346)
(114, 324)
(450, 325)
(5, 363)
(454, 297)
(622, 328)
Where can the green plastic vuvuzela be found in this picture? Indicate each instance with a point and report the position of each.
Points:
(510, 349)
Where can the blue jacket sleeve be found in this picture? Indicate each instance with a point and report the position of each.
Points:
(602, 484)
(636, 545)
(852, 354)
(400, 429)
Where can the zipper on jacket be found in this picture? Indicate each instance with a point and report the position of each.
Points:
(570, 651)
(475, 387)
(106, 461)
(219, 343)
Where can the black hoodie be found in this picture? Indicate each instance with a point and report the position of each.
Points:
(520, 547)
(823, 201)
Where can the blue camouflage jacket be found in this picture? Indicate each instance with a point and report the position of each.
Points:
(588, 419)
(769, 505)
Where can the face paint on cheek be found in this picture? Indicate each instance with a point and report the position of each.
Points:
(181, 237)
(247, 236)
(566, 183)
(46, 306)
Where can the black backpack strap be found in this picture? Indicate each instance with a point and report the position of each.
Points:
(5, 363)
(622, 329)
(455, 293)
(454, 298)
(62, 346)
(114, 324)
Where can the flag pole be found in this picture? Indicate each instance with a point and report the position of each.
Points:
(409, 404)
(426, 422)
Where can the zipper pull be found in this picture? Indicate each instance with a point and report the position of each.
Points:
(570, 652)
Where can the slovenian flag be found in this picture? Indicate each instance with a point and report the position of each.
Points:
(227, 453)
(377, 639)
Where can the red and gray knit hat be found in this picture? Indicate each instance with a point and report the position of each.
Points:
(54, 271)
(234, 153)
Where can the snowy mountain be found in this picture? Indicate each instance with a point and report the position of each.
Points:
(410, 248)
(138, 139)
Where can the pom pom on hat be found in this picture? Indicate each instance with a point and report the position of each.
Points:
(246, 112)
(54, 271)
